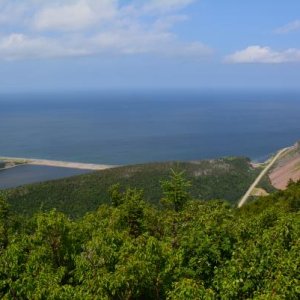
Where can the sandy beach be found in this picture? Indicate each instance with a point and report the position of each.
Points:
(54, 163)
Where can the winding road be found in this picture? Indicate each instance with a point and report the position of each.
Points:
(261, 175)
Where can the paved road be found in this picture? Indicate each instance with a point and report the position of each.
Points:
(261, 175)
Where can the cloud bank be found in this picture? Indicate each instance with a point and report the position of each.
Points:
(264, 55)
(59, 28)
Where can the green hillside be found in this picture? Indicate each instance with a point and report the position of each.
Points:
(132, 250)
(226, 178)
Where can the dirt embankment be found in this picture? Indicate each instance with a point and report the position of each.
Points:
(286, 169)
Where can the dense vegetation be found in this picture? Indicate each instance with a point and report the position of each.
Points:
(133, 250)
(226, 179)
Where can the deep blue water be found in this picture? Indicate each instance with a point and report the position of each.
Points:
(128, 127)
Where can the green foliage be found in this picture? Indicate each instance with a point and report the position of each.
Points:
(175, 191)
(116, 196)
(189, 289)
(226, 178)
(133, 250)
(132, 211)
(4, 212)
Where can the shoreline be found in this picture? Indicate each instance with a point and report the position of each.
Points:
(20, 161)
(54, 163)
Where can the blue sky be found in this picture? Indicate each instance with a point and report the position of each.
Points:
(104, 44)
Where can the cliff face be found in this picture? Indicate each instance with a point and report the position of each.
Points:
(286, 169)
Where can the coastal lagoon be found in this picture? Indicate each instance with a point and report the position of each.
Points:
(25, 174)
(136, 127)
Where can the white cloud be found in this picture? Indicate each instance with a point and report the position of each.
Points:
(90, 27)
(168, 22)
(259, 54)
(16, 46)
(122, 42)
(74, 16)
(293, 26)
(140, 41)
(131, 41)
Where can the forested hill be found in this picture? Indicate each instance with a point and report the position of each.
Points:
(226, 179)
(185, 250)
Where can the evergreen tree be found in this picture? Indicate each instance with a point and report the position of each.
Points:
(175, 191)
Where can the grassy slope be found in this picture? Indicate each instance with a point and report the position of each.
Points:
(226, 178)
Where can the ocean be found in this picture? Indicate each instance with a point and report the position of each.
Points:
(132, 127)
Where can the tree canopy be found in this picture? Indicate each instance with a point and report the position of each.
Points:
(131, 249)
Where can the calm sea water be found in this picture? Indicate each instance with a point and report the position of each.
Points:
(136, 127)
(26, 174)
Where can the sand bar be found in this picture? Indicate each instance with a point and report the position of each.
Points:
(54, 163)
